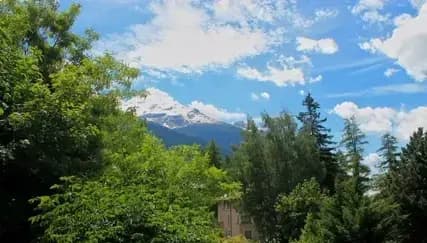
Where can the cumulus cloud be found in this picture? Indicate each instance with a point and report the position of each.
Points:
(283, 71)
(384, 119)
(324, 46)
(411, 120)
(281, 76)
(371, 46)
(407, 44)
(370, 119)
(217, 113)
(372, 160)
(183, 37)
(325, 13)
(369, 11)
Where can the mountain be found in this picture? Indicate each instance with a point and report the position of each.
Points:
(160, 108)
(225, 135)
(176, 123)
(171, 137)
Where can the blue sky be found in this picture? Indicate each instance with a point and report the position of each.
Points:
(366, 58)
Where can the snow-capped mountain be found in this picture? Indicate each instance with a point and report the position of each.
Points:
(177, 124)
(160, 108)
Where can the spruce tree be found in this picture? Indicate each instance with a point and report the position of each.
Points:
(353, 141)
(388, 152)
(409, 187)
(312, 122)
(214, 154)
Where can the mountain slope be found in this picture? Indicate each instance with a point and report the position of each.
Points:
(171, 137)
(176, 123)
(225, 135)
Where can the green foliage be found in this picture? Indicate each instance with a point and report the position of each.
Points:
(408, 187)
(236, 239)
(146, 194)
(312, 123)
(293, 209)
(53, 98)
(348, 217)
(271, 162)
(214, 154)
(388, 152)
(353, 140)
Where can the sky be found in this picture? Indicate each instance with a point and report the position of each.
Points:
(233, 58)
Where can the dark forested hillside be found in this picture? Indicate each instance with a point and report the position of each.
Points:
(171, 137)
(225, 135)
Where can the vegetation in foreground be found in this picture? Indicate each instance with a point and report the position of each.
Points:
(75, 168)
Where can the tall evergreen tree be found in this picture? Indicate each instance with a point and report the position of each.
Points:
(353, 141)
(409, 187)
(271, 162)
(312, 122)
(214, 154)
(350, 215)
(388, 152)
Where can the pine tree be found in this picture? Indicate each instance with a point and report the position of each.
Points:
(388, 152)
(353, 141)
(350, 215)
(214, 154)
(312, 122)
(409, 187)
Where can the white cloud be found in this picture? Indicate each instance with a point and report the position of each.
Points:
(281, 76)
(411, 120)
(407, 44)
(368, 10)
(316, 79)
(367, 5)
(370, 119)
(401, 19)
(262, 95)
(244, 10)
(301, 92)
(184, 37)
(371, 45)
(217, 113)
(283, 71)
(390, 72)
(384, 119)
(374, 17)
(372, 160)
(265, 95)
(324, 46)
(325, 13)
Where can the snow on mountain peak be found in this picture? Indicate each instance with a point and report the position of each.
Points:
(159, 107)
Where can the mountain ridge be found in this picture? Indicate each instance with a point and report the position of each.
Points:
(176, 123)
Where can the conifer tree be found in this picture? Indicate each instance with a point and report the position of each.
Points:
(409, 187)
(388, 152)
(214, 154)
(312, 122)
(353, 141)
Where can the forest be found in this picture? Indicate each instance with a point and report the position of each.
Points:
(74, 167)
